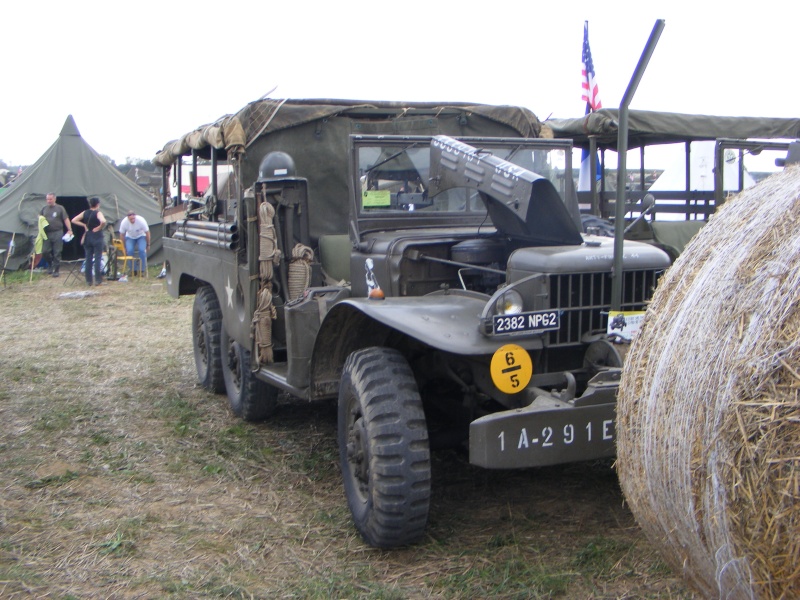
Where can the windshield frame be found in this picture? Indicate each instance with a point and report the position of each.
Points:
(364, 221)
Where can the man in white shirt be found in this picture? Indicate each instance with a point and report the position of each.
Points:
(135, 235)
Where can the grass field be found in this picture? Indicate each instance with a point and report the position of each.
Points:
(121, 478)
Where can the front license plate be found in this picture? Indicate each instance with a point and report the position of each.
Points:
(538, 436)
(540, 320)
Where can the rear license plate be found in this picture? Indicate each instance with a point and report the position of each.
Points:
(540, 320)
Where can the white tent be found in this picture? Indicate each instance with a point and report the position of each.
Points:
(701, 165)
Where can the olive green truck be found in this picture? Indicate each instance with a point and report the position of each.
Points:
(424, 266)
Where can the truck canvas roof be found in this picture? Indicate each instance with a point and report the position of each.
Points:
(315, 133)
(646, 128)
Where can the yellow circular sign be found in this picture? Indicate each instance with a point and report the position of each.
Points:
(511, 368)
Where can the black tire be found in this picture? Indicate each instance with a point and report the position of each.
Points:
(206, 329)
(249, 397)
(383, 448)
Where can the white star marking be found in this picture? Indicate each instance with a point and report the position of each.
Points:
(229, 291)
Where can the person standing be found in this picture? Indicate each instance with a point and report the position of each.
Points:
(135, 236)
(57, 218)
(93, 241)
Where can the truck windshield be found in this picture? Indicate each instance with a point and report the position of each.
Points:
(395, 178)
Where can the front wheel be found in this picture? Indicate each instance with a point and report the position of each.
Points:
(249, 397)
(206, 328)
(383, 448)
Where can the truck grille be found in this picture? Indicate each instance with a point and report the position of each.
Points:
(585, 299)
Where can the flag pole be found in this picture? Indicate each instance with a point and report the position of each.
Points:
(587, 176)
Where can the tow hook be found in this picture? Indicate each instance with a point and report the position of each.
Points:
(567, 394)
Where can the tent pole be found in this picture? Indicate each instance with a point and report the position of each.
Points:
(8, 255)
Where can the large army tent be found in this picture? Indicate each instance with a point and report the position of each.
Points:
(72, 170)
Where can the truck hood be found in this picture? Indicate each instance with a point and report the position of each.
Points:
(521, 204)
(595, 255)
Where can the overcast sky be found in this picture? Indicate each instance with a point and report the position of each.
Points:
(137, 77)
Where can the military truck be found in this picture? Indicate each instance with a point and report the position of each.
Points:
(717, 156)
(423, 266)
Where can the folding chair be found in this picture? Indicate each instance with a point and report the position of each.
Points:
(122, 256)
(73, 271)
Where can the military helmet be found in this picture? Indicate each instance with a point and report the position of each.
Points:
(276, 165)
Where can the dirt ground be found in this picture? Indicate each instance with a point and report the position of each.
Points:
(124, 479)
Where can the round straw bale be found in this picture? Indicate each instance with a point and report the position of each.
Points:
(708, 449)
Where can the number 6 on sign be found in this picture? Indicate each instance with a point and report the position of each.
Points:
(511, 369)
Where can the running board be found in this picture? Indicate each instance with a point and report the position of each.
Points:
(276, 375)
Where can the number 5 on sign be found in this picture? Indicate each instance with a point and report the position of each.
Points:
(511, 369)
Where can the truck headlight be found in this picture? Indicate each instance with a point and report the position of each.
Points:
(508, 303)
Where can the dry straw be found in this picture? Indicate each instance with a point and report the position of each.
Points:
(709, 412)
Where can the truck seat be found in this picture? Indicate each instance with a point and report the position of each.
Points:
(672, 236)
(334, 254)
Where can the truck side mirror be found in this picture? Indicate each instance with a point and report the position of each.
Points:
(647, 202)
(792, 156)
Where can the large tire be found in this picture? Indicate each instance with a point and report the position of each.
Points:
(206, 329)
(249, 397)
(383, 447)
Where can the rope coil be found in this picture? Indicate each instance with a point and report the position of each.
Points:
(269, 257)
(300, 270)
(263, 316)
(268, 254)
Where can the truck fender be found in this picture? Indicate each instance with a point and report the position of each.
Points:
(448, 322)
(444, 321)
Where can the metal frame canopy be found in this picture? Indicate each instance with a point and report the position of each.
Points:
(646, 128)
(599, 131)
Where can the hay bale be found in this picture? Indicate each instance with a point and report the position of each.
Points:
(709, 405)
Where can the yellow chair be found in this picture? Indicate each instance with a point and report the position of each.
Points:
(122, 256)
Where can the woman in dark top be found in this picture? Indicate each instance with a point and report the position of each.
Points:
(93, 221)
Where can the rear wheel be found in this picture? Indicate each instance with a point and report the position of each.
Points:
(383, 447)
(206, 329)
(249, 397)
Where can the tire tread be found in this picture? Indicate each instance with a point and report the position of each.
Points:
(383, 384)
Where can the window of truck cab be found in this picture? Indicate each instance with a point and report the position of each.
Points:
(393, 178)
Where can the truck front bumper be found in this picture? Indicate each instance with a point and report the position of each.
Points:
(549, 431)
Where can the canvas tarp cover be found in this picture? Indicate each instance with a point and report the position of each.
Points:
(70, 168)
(315, 133)
(650, 127)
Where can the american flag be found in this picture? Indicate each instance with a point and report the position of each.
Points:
(591, 96)
(590, 93)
